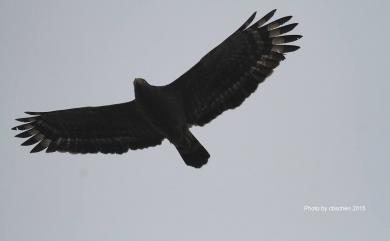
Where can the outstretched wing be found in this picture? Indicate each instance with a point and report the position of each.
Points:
(106, 129)
(228, 74)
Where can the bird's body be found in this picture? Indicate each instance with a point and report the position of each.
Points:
(162, 108)
(220, 81)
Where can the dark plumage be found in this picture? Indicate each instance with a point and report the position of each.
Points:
(221, 80)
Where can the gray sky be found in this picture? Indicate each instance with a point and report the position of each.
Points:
(315, 133)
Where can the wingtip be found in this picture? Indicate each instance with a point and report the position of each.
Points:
(271, 13)
(288, 17)
(34, 150)
(27, 119)
(19, 119)
(39, 147)
(22, 135)
(265, 18)
(33, 113)
(291, 48)
(30, 141)
(289, 27)
(27, 133)
(250, 19)
(14, 128)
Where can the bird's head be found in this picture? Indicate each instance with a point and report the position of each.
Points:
(140, 82)
(141, 88)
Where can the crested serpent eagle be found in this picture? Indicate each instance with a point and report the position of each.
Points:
(220, 81)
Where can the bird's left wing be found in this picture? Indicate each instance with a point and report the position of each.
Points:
(229, 73)
(106, 129)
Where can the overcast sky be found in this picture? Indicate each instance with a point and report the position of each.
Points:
(316, 133)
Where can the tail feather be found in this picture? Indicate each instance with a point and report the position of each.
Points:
(194, 154)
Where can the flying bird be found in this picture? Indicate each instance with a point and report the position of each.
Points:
(220, 81)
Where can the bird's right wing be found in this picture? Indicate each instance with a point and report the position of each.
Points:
(229, 73)
(107, 129)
